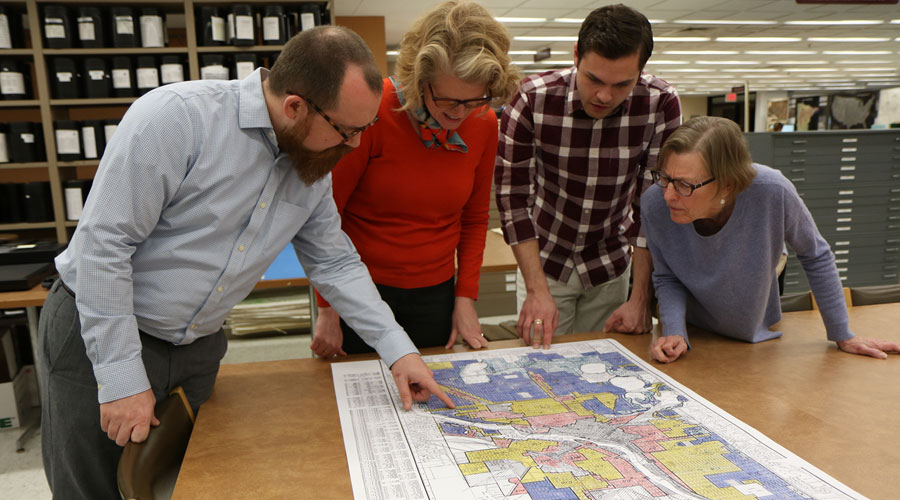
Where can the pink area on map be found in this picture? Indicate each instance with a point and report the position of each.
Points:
(519, 489)
(632, 477)
(502, 443)
(556, 420)
(650, 437)
(545, 460)
(496, 415)
(622, 420)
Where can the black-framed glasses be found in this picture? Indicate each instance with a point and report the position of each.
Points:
(682, 187)
(450, 103)
(337, 128)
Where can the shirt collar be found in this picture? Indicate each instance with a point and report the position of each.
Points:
(252, 111)
(573, 101)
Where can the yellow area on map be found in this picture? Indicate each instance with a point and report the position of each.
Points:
(440, 365)
(517, 451)
(476, 468)
(693, 463)
(595, 462)
(578, 485)
(672, 428)
(538, 407)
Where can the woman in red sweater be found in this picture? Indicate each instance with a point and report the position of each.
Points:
(414, 195)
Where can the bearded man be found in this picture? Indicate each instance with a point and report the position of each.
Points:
(201, 187)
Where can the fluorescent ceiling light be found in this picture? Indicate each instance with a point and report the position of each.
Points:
(575, 20)
(790, 63)
(757, 39)
(870, 75)
(546, 38)
(755, 77)
(856, 52)
(720, 21)
(681, 39)
(864, 61)
(870, 69)
(847, 39)
(520, 19)
(728, 63)
(845, 22)
(895, 21)
(751, 70)
(701, 52)
(662, 61)
(684, 70)
(781, 52)
(810, 70)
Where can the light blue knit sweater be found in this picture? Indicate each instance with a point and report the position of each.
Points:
(726, 282)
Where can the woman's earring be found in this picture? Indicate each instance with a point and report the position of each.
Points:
(722, 201)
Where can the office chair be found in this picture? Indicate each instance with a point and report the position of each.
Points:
(147, 471)
(879, 294)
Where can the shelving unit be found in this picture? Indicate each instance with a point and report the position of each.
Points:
(46, 109)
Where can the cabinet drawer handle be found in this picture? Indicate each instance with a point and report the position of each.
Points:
(800, 161)
(800, 141)
(798, 151)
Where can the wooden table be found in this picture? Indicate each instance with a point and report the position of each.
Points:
(271, 430)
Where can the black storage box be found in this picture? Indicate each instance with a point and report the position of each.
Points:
(96, 78)
(57, 27)
(26, 142)
(90, 28)
(24, 276)
(122, 77)
(124, 32)
(64, 78)
(68, 140)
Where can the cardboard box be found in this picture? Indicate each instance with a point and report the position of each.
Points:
(16, 398)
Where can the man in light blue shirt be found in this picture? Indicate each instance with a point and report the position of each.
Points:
(201, 187)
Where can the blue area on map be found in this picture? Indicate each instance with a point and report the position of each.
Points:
(453, 429)
(751, 471)
(546, 491)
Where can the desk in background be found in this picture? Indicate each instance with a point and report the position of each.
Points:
(271, 430)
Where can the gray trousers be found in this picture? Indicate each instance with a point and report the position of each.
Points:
(80, 460)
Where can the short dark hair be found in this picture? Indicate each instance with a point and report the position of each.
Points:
(313, 63)
(616, 31)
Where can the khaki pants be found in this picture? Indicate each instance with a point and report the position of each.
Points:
(581, 310)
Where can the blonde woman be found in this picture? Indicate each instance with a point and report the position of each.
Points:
(414, 195)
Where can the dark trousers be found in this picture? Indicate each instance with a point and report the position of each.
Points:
(80, 460)
(425, 313)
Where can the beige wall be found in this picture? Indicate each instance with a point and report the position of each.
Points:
(693, 105)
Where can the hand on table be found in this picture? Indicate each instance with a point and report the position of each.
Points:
(668, 349)
(631, 317)
(875, 348)
(538, 310)
(415, 381)
(129, 418)
(327, 335)
(465, 323)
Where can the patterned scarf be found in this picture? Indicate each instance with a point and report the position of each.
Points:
(429, 130)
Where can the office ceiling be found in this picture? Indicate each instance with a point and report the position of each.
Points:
(872, 61)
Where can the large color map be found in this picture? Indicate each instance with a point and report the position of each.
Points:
(584, 420)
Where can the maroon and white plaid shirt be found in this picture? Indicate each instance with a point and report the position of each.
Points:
(574, 182)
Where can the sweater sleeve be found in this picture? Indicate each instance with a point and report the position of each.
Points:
(670, 291)
(818, 263)
(474, 219)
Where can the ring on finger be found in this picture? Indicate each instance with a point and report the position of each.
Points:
(538, 322)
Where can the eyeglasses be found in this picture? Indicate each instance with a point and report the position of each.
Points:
(682, 187)
(346, 135)
(449, 103)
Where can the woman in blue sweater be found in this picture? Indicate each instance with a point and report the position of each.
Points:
(717, 225)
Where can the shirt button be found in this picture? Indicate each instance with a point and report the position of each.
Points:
(193, 326)
(220, 289)
(262, 205)
(240, 248)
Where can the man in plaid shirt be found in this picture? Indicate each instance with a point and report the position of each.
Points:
(575, 153)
